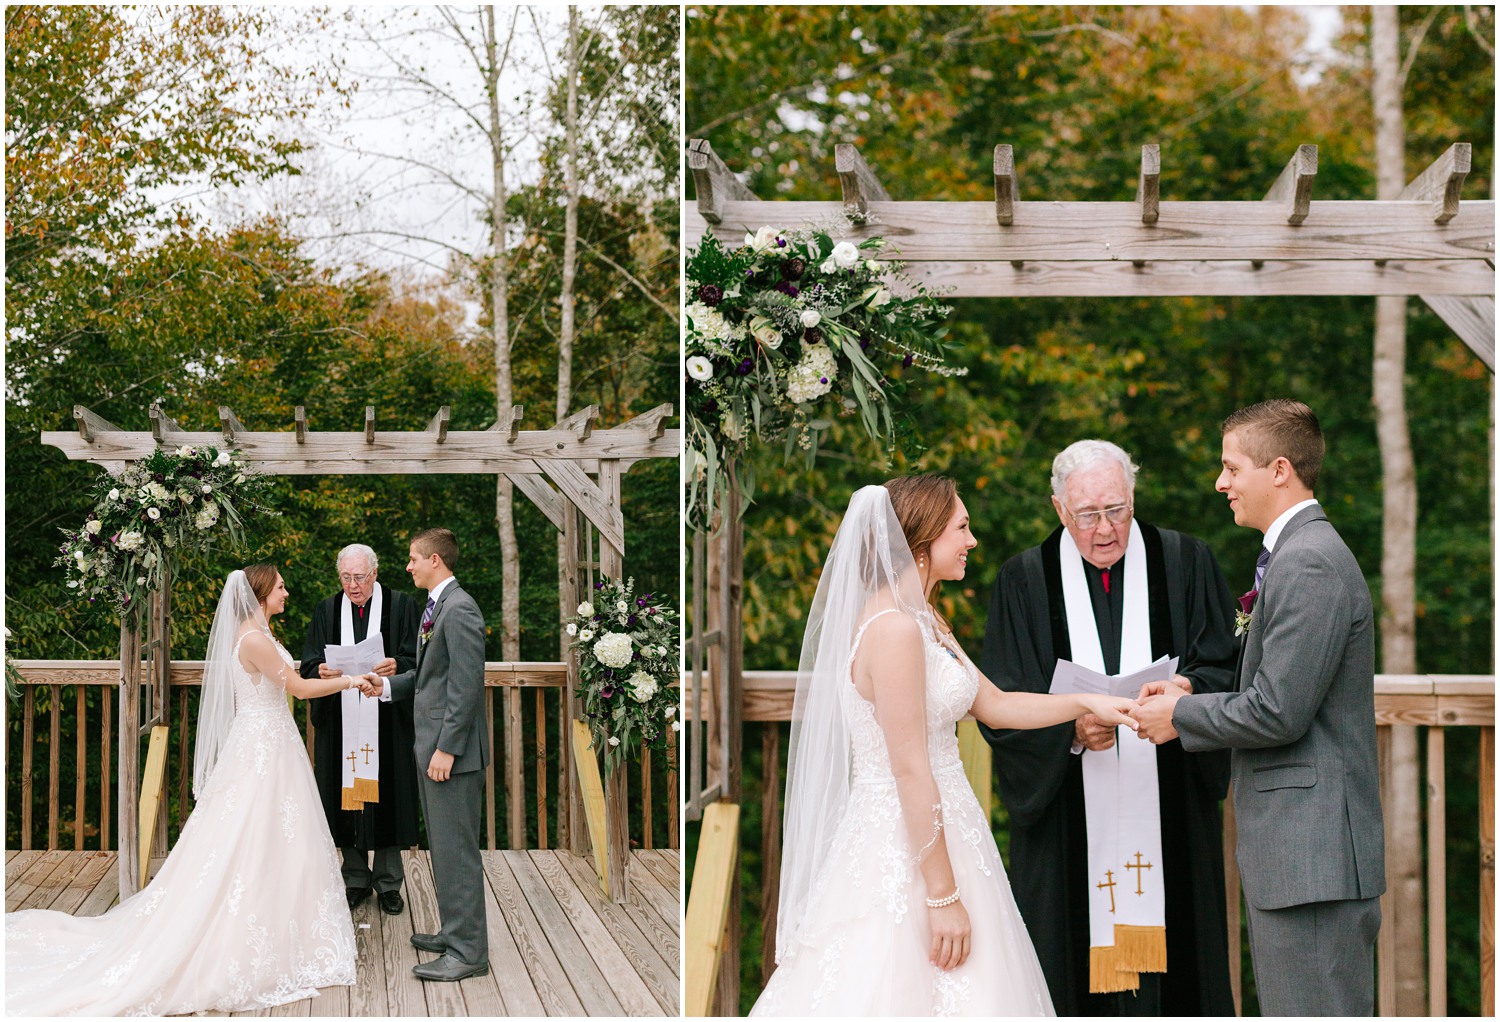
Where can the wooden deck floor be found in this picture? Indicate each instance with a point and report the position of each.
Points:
(557, 946)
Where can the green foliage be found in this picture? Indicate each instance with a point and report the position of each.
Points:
(926, 93)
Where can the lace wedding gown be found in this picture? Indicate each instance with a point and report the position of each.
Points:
(864, 947)
(248, 911)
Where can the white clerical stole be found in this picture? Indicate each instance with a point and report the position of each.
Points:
(360, 718)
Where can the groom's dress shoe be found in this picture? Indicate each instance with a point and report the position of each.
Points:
(391, 903)
(448, 969)
(429, 942)
(357, 895)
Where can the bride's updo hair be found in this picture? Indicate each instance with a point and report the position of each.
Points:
(262, 579)
(923, 505)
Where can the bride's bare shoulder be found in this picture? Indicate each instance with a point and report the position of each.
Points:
(887, 625)
(256, 646)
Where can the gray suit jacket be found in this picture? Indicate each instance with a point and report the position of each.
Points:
(1302, 727)
(448, 685)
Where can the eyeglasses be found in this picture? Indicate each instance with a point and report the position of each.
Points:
(1091, 519)
(355, 580)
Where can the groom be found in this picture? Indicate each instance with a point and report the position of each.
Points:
(1301, 724)
(452, 750)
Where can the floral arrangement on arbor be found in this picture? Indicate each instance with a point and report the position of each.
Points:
(627, 666)
(165, 505)
(787, 332)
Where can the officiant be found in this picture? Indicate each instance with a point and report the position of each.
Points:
(362, 747)
(1116, 858)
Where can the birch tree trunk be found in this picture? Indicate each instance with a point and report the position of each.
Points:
(510, 561)
(1402, 939)
(569, 272)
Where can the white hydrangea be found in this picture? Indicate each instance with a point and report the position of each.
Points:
(207, 518)
(642, 686)
(156, 492)
(130, 541)
(813, 375)
(712, 330)
(613, 650)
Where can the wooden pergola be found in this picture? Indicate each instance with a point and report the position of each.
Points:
(1427, 243)
(571, 471)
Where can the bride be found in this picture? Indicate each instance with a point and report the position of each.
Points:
(248, 911)
(894, 900)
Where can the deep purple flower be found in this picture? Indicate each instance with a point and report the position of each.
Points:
(631, 621)
(793, 269)
(607, 692)
(786, 288)
(744, 367)
(780, 242)
(822, 379)
(864, 343)
(750, 272)
(640, 601)
(159, 477)
(710, 295)
(709, 408)
(812, 335)
(598, 585)
(908, 359)
(1248, 600)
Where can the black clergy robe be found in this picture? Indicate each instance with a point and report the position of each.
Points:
(1041, 780)
(391, 822)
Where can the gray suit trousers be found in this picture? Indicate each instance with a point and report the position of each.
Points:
(1315, 959)
(452, 810)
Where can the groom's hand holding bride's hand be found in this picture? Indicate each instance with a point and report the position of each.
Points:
(371, 685)
(1110, 711)
(1158, 699)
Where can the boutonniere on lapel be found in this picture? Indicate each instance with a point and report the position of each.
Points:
(426, 631)
(1242, 616)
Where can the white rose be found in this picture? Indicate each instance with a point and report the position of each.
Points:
(613, 649)
(845, 255)
(763, 240)
(572, 628)
(585, 609)
(882, 297)
(586, 635)
(700, 368)
(671, 712)
(222, 459)
(184, 452)
(764, 331)
(622, 607)
(811, 318)
(114, 494)
(874, 265)
(207, 488)
(92, 528)
(153, 513)
(828, 265)
(676, 725)
(72, 584)
(614, 740)
(78, 555)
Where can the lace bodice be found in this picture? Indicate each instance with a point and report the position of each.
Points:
(259, 693)
(952, 684)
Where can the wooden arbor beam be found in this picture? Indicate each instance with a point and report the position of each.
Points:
(1293, 189)
(858, 181)
(715, 183)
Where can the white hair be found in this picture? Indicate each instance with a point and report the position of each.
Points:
(1086, 454)
(358, 549)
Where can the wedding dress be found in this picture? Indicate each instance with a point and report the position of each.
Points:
(853, 934)
(247, 912)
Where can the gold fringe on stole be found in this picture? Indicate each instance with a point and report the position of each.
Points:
(1105, 975)
(347, 799)
(1141, 948)
(368, 790)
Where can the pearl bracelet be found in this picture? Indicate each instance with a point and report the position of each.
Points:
(943, 902)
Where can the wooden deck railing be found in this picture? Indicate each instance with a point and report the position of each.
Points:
(529, 742)
(1432, 703)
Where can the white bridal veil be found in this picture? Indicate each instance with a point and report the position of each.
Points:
(220, 668)
(869, 566)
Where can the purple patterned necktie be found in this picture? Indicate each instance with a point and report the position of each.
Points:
(1260, 567)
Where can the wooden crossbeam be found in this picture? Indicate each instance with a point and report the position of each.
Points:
(90, 425)
(299, 422)
(439, 423)
(229, 424)
(591, 499)
(1293, 189)
(369, 424)
(858, 181)
(1442, 181)
(1337, 229)
(477, 452)
(655, 420)
(1472, 318)
(715, 183)
(547, 500)
(1007, 188)
(1148, 189)
(161, 423)
(580, 422)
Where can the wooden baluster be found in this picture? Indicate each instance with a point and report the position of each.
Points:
(646, 841)
(672, 799)
(28, 739)
(489, 771)
(515, 776)
(541, 768)
(54, 764)
(79, 792)
(1437, 875)
(1487, 871)
(106, 804)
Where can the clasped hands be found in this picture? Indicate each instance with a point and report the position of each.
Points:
(369, 684)
(1152, 714)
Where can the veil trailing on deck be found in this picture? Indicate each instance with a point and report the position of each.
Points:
(869, 566)
(220, 668)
